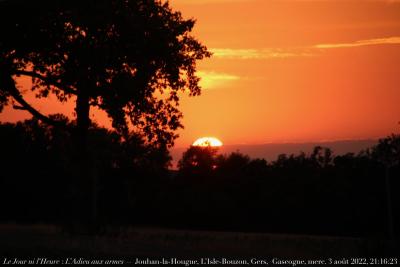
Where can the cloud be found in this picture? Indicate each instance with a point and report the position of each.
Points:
(229, 53)
(212, 80)
(281, 53)
(379, 41)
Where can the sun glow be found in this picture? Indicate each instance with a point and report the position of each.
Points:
(207, 141)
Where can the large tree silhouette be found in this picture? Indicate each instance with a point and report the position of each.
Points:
(129, 58)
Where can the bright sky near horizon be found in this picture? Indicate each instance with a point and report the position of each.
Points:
(290, 71)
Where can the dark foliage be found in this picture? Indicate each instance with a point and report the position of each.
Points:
(36, 170)
(317, 193)
(129, 58)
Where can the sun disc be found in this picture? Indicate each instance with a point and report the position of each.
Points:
(208, 141)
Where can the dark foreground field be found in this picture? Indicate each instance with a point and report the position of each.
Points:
(50, 241)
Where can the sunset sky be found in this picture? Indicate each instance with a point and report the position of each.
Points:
(290, 71)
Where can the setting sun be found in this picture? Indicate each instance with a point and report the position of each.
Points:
(207, 141)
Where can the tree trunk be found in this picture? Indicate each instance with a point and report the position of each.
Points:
(83, 208)
(83, 121)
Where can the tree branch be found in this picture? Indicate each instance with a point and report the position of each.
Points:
(11, 88)
(46, 79)
(18, 107)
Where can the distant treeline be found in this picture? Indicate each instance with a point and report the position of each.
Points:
(317, 193)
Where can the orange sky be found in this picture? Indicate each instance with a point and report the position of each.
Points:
(291, 71)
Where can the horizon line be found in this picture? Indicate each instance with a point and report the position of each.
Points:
(296, 143)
